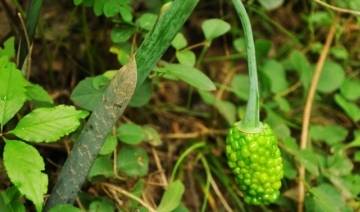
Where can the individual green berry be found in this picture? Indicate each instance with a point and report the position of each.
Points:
(255, 160)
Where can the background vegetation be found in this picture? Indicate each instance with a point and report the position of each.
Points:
(167, 151)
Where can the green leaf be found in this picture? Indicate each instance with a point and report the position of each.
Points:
(24, 166)
(327, 199)
(351, 109)
(300, 63)
(142, 94)
(331, 134)
(225, 108)
(65, 207)
(172, 197)
(38, 95)
(12, 90)
(189, 75)
(262, 47)
(122, 52)
(122, 34)
(357, 156)
(133, 161)
(147, 21)
(214, 28)
(239, 45)
(275, 72)
(9, 48)
(130, 133)
(240, 86)
(112, 8)
(49, 124)
(101, 167)
(339, 52)
(136, 190)
(319, 18)
(271, 4)
(186, 57)
(102, 205)
(86, 94)
(179, 41)
(339, 164)
(350, 89)
(11, 201)
(331, 77)
(310, 160)
(152, 136)
(125, 12)
(98, 7)
(109, 145)
(78, 2)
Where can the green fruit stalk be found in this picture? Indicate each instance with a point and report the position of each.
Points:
(251, 147)
(255, 160)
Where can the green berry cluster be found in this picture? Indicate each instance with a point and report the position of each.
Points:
(256, 162)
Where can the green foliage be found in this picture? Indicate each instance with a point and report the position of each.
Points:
(331, 77)
(64, 207)
(101, 167)
(133, 161)
(49, 124)
(130, 133)
(214, 28)
(24, 166)
(12, 90)
(187, 74)
(172, 197)
(101, 205)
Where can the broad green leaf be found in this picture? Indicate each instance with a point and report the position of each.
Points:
(49, 124)
(146, 21)
(9, 48)
(87, 94)
(98, 7)
(339, 164)
(64, 207)
(275, 73)
(350, 89)
(327, 199)
(12, 90)
(319, 18)
(352, 183)
(172, 197)
(102, 167)
(357, 156)
(300, 63)
(331, 134)
(112, 8)
(186, 57)
(225, 108)
(122, 52)
(331, 77)
(136, 190)
(121, 34)
(289, 169)
(38, 95)
(102, 205)
(24, 166)
(179, 41)
(271, 4)
(213, 28)
(262, 47)
(152, 136)
(310, 160)
(351, 109)
(125, 12)
(240, 86)
(189, 75)
(10, 200)
(130, 133)
(339, 52)
(78, 2)
(239, 45)
(109, 145)
(283, 103)
(133, 161)
(142, 94)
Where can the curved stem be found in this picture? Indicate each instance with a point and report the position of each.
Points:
(251, 120)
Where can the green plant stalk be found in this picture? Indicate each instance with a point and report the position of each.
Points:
(159, 39)
(92, 137)
(251, 121)
(32, 17)
(84, 152)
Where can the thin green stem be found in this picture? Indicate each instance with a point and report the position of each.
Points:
(251, 119)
